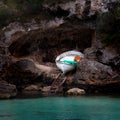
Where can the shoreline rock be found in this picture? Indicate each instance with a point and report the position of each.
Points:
(28, 51)
(7, 90)
(76, 91)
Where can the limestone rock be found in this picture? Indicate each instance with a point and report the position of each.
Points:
(81, 8)
(75, 91)
(115, 63)
(46, 89)
(107, 54)
(22, 72)
(93, 70)
(4, 57)
(45, 44)
(32, 88)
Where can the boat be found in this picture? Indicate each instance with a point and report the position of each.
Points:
(67, 61)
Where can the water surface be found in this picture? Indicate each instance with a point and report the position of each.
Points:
(61, 108)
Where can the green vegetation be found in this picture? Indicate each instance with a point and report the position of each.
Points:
(109, 25)
(112, 38)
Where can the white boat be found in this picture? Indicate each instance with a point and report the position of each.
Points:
(67, 61)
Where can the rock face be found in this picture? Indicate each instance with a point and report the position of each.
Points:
(22, 72)
(4, 57)
(76, 91)
(81, 8)
(32, 88)
(46, 89)
(27, 71)
(28, 50)
(94, 71)
(115, 63)
(7, 90)
(107, 54)
(52, 42)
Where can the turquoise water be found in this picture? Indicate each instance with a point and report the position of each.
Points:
(61, 108)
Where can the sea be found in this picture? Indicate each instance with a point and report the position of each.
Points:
(61, 108)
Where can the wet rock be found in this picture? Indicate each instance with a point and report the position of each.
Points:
(7, 90)
(75, 91)
(32, 90)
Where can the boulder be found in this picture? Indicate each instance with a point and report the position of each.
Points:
(75, 91)
(32, 88)
(46, 89)
(107, 54)
(94, 71)
(27, 71)
(7, 90)
(22, 72)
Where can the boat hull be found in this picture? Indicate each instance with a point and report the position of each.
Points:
(65, 67)
(69, 53)
(66, 61)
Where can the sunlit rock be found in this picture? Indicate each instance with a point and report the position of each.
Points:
(76, 91)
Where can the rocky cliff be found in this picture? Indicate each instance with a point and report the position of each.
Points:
(28, 48)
